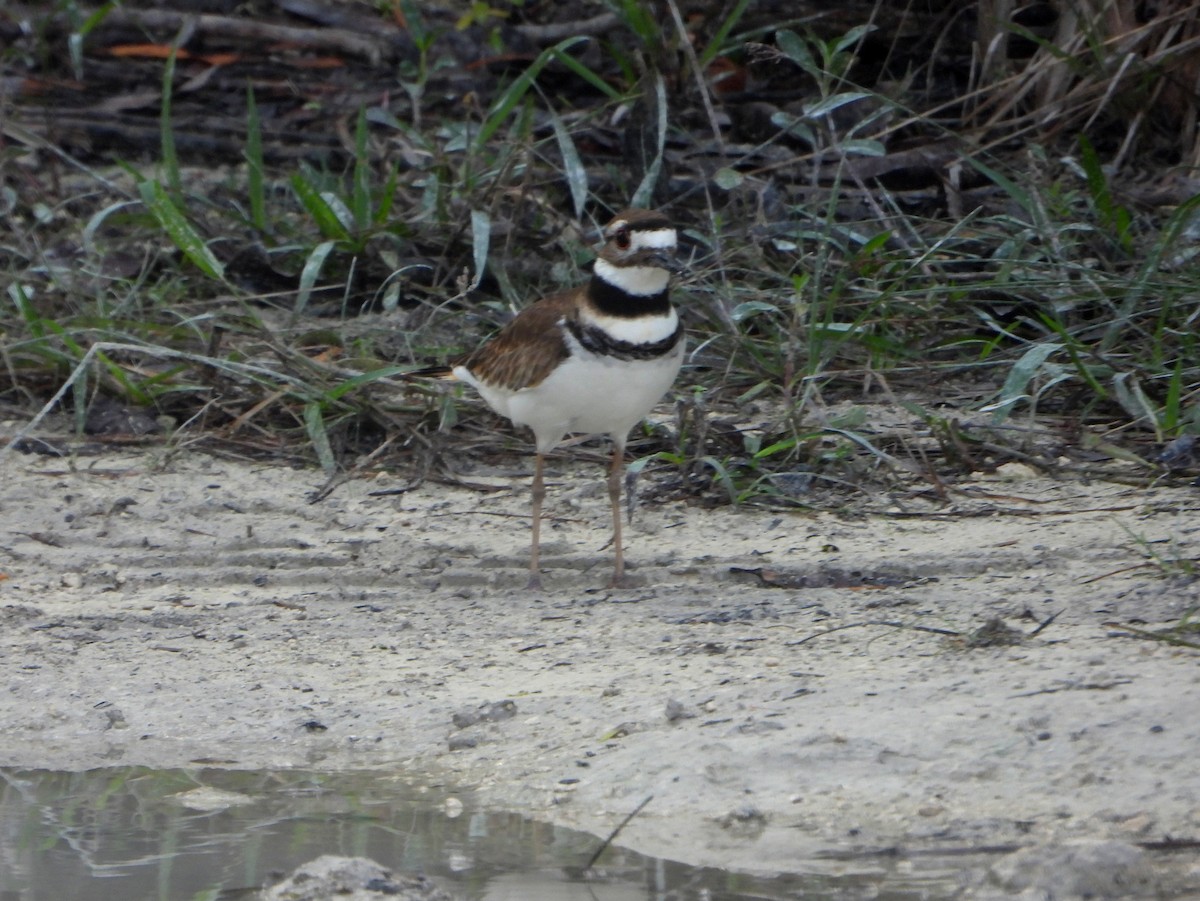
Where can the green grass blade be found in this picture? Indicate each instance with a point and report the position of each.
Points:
(77, 37)
(328, 222)
(1129, 394)
(573, 168)
(481, 239)
(79, 395)
(179, 230)
(786, 445)
(645, 191)
(722, 475)
(1023, 371)
(637, 18)
(588, 75)
(365, 378)
(97, 18)
(827, 105)
(387, 197)
(314, 425)
(1170, 415)
(1114, 216)
(1011, 188)
(97, 219)
(1072, 347)
(308, 275)
(853, 36)
(360, 195)
(519, 88)
(24, 305)
(170, 158)
(132, 392)
(796, 49)
(416, 24)
(717, 44)
(1143, 282)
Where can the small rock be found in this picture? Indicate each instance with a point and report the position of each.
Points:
(677, 710)
(1015, 472)
(758, 727)
(994, 633)
(209, 799)
(1181, 453)
(494, 712)
(746, 820)
(332, 878)
(461, 741)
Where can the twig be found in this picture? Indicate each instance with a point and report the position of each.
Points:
(553, 32)
(340, 478)
(1074, 686)
(1041, 628)
(373, 49)
(694, 62)
(1165, 637)
(877, 622)
(1116, 572)
(612, 835)
(30, 138)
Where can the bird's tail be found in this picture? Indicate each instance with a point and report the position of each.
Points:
(445, 373)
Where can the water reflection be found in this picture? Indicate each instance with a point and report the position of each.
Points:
(133, 833)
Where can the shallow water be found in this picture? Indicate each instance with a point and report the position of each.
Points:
(131, 834)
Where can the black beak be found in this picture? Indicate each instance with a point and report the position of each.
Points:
(666, 260)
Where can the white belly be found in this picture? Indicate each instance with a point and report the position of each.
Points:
(588, 394)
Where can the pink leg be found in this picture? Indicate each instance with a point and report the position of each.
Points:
(539, 494)
(615, 472)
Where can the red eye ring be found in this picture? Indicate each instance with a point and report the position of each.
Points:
(622, 239)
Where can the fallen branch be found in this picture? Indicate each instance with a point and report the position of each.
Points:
(372, 49)
(612, 835)
(877, 622)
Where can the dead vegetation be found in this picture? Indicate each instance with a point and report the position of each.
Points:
(925, 238)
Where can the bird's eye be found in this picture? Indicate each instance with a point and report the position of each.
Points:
(622, 239)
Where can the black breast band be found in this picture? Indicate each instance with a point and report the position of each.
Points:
(596, 340)
(613, 301)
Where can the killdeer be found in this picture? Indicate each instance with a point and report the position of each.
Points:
(592, 360)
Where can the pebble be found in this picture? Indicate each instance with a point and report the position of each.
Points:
(332, 878)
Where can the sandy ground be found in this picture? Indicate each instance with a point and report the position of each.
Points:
(162, 610)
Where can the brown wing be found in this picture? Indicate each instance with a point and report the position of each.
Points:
(526, 350)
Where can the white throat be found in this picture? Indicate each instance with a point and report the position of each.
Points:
(640, 281)
(637, 329)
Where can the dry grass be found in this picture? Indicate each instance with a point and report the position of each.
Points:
(900, 272)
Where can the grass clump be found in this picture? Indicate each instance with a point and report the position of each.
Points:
(899, 273)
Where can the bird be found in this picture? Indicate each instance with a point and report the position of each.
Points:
(591, 360)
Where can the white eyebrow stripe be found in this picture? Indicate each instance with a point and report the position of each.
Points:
(658, 238)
